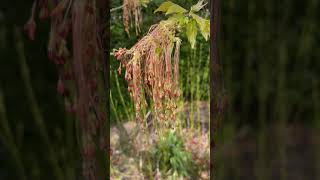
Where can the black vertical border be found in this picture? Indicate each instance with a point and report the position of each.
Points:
(214, 85)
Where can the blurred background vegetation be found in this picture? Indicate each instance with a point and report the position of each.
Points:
(270, 56)
(270, 72)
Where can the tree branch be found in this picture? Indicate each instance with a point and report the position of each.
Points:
(116, 8)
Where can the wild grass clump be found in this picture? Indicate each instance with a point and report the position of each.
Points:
(171, 158)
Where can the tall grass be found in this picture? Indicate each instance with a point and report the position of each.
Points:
(267, 80)
(27, 163)
(8, 139)
(39, 120)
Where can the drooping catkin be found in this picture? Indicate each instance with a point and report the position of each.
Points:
(150, 71)
(132, 12)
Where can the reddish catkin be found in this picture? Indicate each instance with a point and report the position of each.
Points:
(30, 27)
(150, 71)
(132, 12)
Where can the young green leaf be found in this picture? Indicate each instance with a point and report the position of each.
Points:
(204, 25)
(182, 19)
(164, 6)
(175, 9)
(197, 7)
(192, 32)
(144, 3)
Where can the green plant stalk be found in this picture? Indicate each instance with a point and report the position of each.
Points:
(8, 139)
(188, 89)
(70, 146)
(192, 88)
(35, 172)
(180, 113)
(198, 92)
(35, 107)
(130, 117)
(114, 109)
(207, 93)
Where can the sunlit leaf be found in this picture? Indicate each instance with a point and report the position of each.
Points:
(144, 3)
(197, 7)
(192, 33)
(182, 19)
(175, 9)
(204, 25)
(164, 6)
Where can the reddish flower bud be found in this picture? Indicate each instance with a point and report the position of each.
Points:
(67, 76)
(70, 107)
(30, 27)
(62, 90)
(62, 61)
(59, 9)
(119, 69)
(120, 53)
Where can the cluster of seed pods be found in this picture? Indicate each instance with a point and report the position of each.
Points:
(132, 12)
(74, 25)
(150, 71)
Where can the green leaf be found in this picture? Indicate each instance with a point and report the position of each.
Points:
(144, 3)
(182, 19)
(175, 9)
(164, 6)
(192, 33)
(204, 25)
(197, 7)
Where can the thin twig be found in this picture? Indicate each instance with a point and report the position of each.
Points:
(116, 8)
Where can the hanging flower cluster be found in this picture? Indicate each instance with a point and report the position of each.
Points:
(132, 13)
(151, 72)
